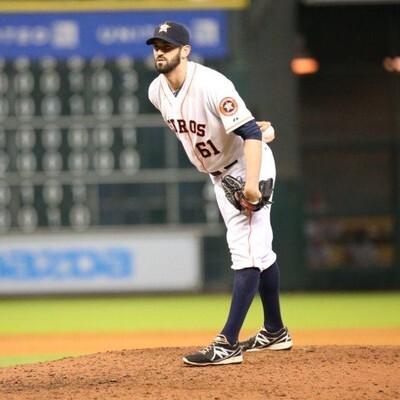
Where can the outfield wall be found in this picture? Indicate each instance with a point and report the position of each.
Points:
(100, 263)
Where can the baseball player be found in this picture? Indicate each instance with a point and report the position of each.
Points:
(220, 136)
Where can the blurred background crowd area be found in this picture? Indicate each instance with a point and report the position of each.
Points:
(83, 152)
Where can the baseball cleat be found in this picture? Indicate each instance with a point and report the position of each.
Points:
(264, 340)
(219, 352)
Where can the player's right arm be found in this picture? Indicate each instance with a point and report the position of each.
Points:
(252, 154)
(251, 134)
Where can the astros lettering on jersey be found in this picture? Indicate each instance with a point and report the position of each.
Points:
(203, 120)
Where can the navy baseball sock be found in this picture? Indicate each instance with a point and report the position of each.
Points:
(269, 294)
(244, 289)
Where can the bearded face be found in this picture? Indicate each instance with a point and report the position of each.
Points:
(164, 65)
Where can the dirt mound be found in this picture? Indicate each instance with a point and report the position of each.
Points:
(312, 372)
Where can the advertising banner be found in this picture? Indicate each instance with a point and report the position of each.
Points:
(100, 263)
(105, 34)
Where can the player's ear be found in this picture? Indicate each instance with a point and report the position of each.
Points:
(185, 51)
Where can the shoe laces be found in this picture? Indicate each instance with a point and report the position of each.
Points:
(217, 340)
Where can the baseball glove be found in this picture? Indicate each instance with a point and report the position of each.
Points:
(233, 188)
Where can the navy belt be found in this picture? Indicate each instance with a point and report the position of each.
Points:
(217, 173)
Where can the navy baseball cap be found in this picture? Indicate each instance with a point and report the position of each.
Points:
(171, 32)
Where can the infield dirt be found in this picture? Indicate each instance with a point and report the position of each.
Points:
(308, 371)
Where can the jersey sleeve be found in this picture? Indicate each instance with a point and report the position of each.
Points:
(227, 103)
(153, 94)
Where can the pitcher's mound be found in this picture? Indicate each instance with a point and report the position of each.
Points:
(313, 372)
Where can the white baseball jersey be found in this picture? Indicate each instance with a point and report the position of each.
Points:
(203, 116)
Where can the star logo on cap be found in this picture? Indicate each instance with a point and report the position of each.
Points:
(164, 28)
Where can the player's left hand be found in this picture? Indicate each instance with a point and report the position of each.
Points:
(267, 130)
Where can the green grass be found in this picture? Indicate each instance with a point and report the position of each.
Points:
(187, 312)
(342, 310)
(7, 361)
(123, 314)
